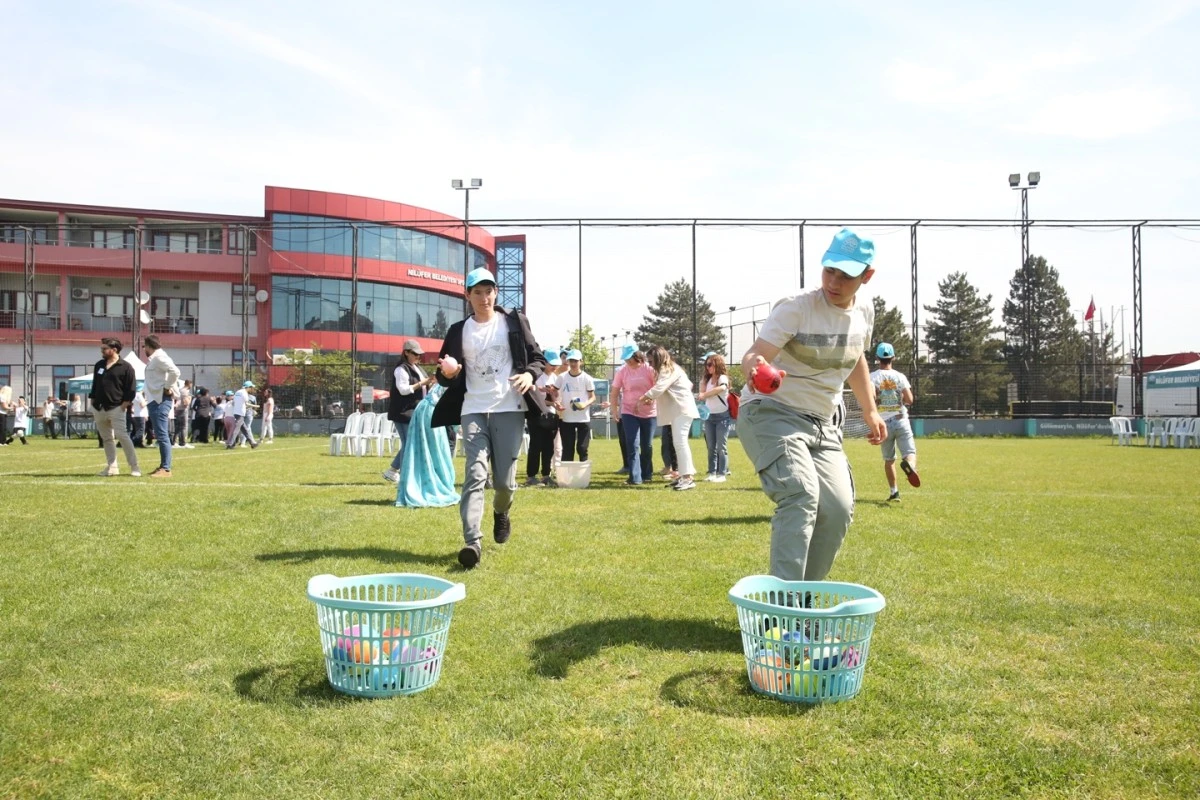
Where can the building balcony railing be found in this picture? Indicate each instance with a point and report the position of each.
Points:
(107, 324)
(16, 319)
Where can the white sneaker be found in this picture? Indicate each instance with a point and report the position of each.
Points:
(684, 484)
(710, 478)
(391, 475)
(135, 474)
(104, 473)
(189, 446)
(717, 479)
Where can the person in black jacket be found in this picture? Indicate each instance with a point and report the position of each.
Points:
(407, 388)
(113, 386)
(487, 363)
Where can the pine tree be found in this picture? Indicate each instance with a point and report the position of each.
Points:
(890, 328)
(1044, 351)
(968, 368)
(669, 323)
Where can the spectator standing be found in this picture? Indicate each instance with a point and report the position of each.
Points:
(496, 360)
(114, 385)
(637, 419)
(407, 387)
(140, 416)
(20, 420)
(161, 376)
(714, 393)
(544, 429)
(48, 409)
(202, 411)
(268, 418)
(183, 409)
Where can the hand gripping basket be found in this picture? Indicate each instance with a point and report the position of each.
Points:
(805, 641)
(384, 635)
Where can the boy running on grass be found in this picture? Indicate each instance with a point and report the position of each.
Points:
(893, 394)
(793, 436)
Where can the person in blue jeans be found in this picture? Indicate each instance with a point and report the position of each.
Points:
(161, 377)
(714, 393)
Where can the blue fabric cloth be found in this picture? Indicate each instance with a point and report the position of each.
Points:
(427, 470)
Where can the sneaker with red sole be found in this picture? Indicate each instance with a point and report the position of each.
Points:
(914, 479)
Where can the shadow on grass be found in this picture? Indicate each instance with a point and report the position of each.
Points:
(359, 501)
(553, 655)
(380, 554)
(299, 683)
(725, 692)
(720, 520)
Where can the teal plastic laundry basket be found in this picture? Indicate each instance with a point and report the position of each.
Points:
(805, 641)
(384, 635)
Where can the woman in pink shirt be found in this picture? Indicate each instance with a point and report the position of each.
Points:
(638, 420)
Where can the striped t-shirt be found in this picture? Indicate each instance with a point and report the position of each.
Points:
(819, 344)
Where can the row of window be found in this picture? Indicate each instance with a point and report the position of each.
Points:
(202, 240)
(300, 303)
(381, 242)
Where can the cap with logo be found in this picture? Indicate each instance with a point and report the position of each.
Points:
(480, 275)
(850, 253)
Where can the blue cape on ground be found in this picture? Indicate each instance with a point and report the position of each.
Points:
(427, 469)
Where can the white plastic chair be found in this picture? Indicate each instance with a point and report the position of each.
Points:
(1188, 429)
(1159, 430)
(1123, 431)
(366, 427)
(378, 437)
(336, 439)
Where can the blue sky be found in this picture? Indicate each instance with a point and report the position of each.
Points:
(848, 110)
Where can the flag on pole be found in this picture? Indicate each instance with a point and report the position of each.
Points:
(1091, 312)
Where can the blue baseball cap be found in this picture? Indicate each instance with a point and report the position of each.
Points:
(574, 355)
(552, 358)
(480, 275)
(885, 350)
(850, 253)
(248, 385)
(229, 392)
(627, 351)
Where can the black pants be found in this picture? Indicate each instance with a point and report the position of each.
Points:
(668, 449)
(48, 428)
(200, 430)
(576, 436)
(541, 450)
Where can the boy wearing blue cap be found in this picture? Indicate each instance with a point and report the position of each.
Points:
(544, 429)
(488, 362)
(241, 410)
(893, 394)
(793, 435)
(578, 390)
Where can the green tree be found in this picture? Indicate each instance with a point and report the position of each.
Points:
(320, 377)
(1045, 349)
(967, 356)
(890, 328)
(440, 325)
(595, 357)
(669, 323)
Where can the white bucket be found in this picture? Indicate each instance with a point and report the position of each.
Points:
(574, 474)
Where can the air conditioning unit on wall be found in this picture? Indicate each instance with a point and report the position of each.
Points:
(80, 294)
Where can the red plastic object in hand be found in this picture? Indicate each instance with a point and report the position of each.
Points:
(766, 378)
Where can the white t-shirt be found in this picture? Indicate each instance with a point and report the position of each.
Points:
(219, 410)
(717, 403)
(240, 398)
(819, 344)
(489, 365)
(541, 399)
(889, 393)
(575, 387)
(139, 406)
(21, 419)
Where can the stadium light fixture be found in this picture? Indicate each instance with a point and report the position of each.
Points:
(1014, 180)
(1034, 179)
(458, 183)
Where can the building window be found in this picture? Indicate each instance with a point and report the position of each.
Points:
(14, 233)
(236, 304)
(6, 376)
(112, 239)
(237, 237)
(237, 357)
(201, 240)
(112, 305)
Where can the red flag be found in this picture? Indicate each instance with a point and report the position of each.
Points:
(1091, 312)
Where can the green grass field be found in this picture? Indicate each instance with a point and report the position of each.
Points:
(1041, 639)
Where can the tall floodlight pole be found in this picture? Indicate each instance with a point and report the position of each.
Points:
(475, 183)
(28, 366)
(729, 347)
(1014, 182)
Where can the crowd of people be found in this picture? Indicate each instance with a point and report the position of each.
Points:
(493, 385)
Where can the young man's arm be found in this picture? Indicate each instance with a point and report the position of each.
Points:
(761, 352)
(864, 392)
